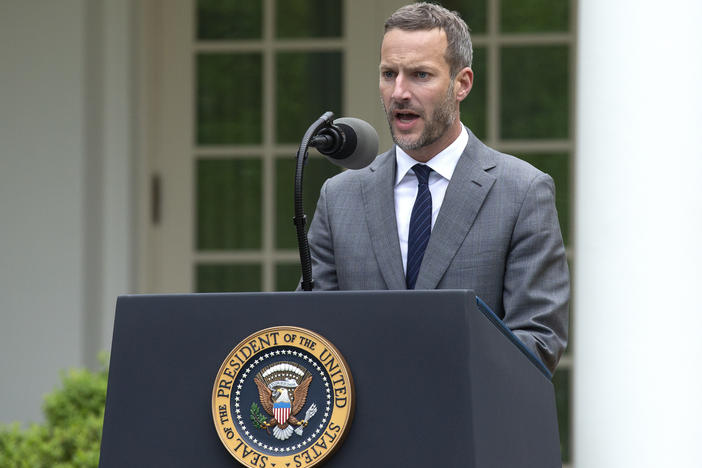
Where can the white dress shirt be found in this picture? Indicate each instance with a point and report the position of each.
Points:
(443, 165)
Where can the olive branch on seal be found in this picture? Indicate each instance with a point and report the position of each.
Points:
(257, 418)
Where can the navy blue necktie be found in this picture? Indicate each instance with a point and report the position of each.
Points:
(420, 225)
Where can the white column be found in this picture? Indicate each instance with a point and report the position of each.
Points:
(66, 130)
(638, 252)
(42, 111)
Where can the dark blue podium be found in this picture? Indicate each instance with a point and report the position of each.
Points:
(438, 381)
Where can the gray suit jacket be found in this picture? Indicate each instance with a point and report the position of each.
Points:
(497, 233)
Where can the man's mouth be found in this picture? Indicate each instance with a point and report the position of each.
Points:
(406, 116)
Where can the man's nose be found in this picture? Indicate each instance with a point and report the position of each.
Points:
(401, 91)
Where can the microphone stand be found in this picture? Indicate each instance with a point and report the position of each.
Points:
(300, 220)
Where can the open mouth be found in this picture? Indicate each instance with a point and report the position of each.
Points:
(405, 116)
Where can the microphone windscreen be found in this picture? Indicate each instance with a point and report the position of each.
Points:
(366, 143)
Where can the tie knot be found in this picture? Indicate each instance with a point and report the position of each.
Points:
(422, 172)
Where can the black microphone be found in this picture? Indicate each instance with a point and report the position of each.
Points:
(348, 142)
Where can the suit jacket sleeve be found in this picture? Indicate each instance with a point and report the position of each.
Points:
(536, 282)
(322, 246)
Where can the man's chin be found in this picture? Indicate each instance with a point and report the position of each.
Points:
(406, 141)
(407, 144)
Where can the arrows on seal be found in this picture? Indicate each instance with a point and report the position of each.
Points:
(311, 411)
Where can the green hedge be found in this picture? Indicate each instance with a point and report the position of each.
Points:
(70, 437)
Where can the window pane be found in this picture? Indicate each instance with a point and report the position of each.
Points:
(561, 383)
(287, 276)
(534, 15)
(535, 83)
(222, 19)
(556, 165)
(473, 12)
(307, 85)
(228, 204)
(308, 18)
(228, 278)
(316, 172)
(473, 108)
(229, 98)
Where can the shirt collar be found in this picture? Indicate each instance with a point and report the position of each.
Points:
(444, 163)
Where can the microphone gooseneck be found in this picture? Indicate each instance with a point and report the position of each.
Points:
(347, 142)
(300, 220)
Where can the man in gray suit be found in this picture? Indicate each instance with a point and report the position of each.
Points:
(441, 209)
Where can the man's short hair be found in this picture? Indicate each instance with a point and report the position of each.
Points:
(423, 16)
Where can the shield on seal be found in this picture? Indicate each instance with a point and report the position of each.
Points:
(281, 411)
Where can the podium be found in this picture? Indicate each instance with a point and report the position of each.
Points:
(438, 381)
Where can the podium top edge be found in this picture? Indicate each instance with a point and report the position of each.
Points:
(466, 292)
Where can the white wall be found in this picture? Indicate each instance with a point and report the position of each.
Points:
(65, 204)
(638, 266)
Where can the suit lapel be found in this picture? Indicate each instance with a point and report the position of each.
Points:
(465, 194)
(379, 202)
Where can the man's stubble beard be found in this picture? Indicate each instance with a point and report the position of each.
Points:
(443, 118)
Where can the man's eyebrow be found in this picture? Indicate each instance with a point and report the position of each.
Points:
(424, 66)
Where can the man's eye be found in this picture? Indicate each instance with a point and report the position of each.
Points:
(388, 74)
(422, 75)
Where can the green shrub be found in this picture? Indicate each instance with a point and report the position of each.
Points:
(70, 437)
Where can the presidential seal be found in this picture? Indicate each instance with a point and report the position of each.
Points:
(283, 397)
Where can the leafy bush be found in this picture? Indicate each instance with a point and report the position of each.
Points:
(70, 437)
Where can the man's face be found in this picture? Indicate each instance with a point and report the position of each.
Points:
(419, 96)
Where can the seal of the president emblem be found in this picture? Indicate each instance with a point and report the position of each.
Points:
(283, 397)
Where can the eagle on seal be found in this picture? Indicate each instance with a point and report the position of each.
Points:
(283, 399)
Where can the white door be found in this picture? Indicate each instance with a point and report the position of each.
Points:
(230, 88)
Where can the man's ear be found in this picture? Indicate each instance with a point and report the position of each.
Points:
(463, 83)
